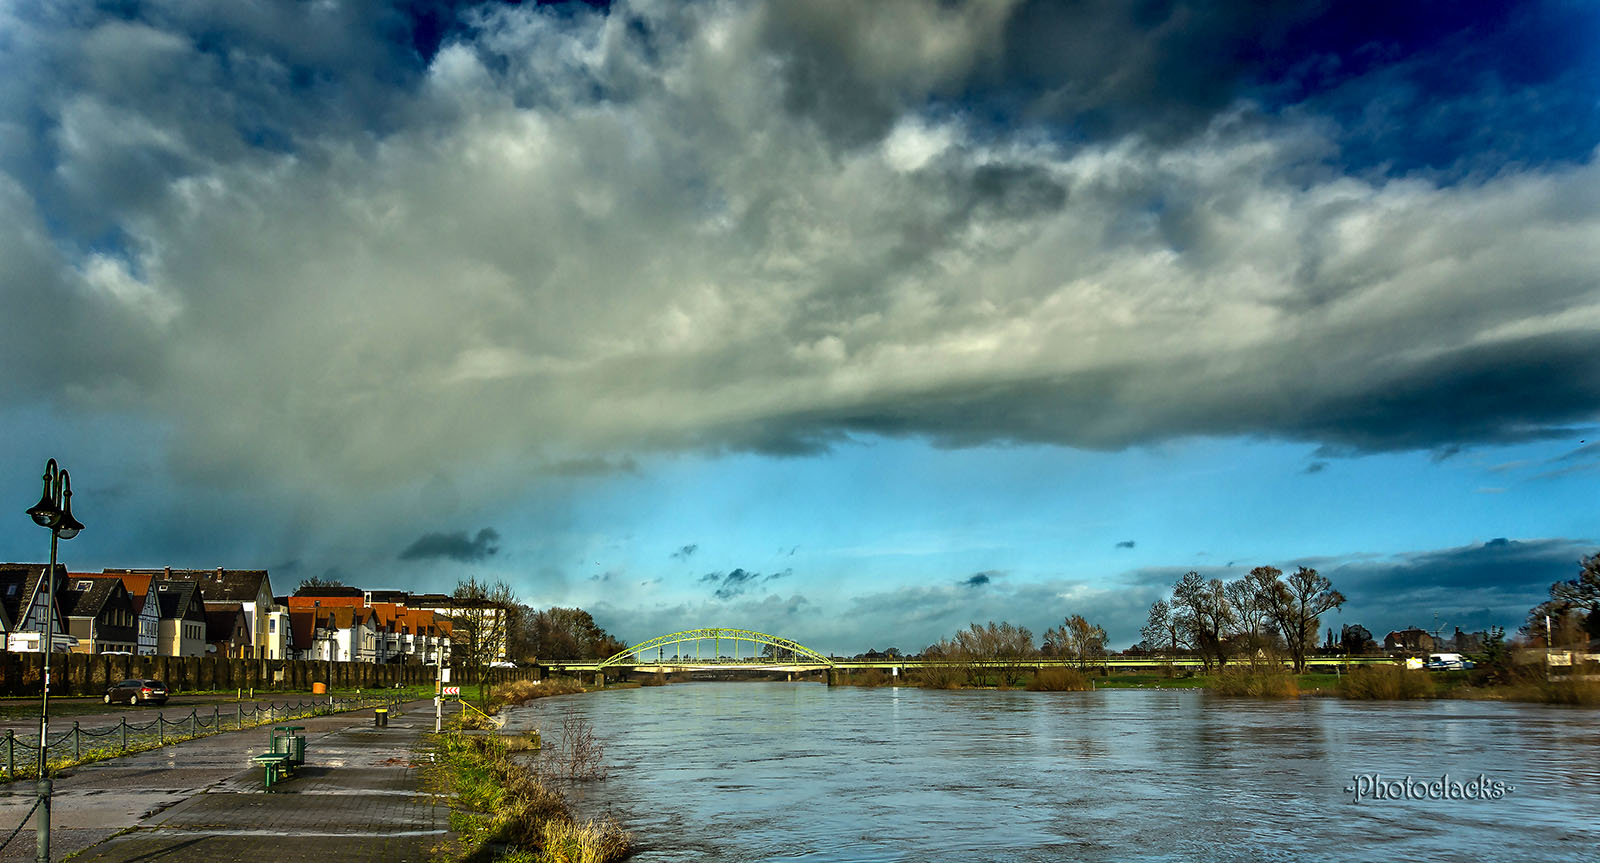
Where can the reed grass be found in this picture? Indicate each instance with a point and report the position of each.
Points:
(1060, 680)
(1386, 682)
(939, 677)
(1256, 683)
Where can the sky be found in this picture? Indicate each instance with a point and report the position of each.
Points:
(853, 323)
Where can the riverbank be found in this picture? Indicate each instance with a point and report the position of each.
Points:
(507, 810)
(1386, 683)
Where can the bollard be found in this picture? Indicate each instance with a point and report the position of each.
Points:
(380, 717)
(161, 730)
(216, 720)
(11, 754)
(77, 742)
(41, 821)
(124, 725)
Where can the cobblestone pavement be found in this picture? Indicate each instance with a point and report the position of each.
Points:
(356, 799)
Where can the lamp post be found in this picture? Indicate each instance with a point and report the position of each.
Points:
(53, 511)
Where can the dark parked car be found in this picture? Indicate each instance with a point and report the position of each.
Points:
(138, 692)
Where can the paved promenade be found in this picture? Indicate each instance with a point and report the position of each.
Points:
(357, 799)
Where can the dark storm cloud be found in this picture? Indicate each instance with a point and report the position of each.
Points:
(1512, 392)
(978, 579)
(685, 552)
(1489, 584)
(1127, 543)
(737, 581)
(1499, 567)
(1316, 467)
(454, 546)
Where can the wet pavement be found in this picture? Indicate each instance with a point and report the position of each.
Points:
(357, 797)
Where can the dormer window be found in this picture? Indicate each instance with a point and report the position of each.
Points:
(83, 585)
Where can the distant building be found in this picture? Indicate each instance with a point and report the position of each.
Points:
(99, 613)
(227, 630)
(24, 608)
(183, 618)
(141, 589)
(1411, 640)
(251, 588)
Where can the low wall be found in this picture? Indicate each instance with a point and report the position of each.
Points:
(90, 674)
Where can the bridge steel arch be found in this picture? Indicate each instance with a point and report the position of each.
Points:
(799, 651)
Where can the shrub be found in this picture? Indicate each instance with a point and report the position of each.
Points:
(865, 677)
(1256, 683)
(1571, 690)
(939, 677)
(523, 691)
(1386, 682)
(1060, 680)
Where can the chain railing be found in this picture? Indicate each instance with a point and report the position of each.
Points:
(78, 745)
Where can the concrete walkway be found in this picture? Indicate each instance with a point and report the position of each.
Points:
(356, 799)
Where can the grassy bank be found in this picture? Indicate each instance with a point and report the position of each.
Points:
(505, 813)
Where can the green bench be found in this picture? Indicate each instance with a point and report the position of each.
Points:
(286, 750)
(276, 766)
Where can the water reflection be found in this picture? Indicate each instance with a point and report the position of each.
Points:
(741, 772)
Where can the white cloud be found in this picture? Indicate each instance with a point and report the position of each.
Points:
(607, 242)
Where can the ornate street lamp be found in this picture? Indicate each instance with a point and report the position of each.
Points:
(53, 511)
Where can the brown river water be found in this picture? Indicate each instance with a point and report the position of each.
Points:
(804, 772)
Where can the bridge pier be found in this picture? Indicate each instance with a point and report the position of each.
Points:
(600, 680)
(832, 678)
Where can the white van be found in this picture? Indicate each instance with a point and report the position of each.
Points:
(1447, 661)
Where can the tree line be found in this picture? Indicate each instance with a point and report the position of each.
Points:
(1258, 617)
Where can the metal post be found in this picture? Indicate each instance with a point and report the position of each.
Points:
(41, 821)
(161, 730)
(124, 726)
(194, 723)
(11, 754)
(77, 742)
(46, 645)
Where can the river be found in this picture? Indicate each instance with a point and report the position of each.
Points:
(742, 772)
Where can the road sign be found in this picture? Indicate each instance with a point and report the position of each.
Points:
(452, 690)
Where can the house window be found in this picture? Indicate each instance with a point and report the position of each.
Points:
(272, 625)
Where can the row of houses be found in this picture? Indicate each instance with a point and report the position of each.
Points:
(228, 613)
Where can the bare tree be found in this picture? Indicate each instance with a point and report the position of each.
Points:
(1297, 604)
(1251, 599)
(1161, 630)
(480, 618)
(1202, 609)
(1004, 648)
(1077, 639)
